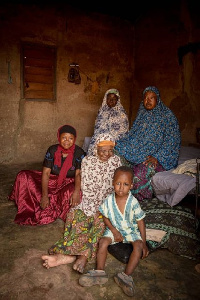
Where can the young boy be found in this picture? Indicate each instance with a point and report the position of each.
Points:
(124, 220)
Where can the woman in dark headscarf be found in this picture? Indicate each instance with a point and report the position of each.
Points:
(42, 197)
(152, 144)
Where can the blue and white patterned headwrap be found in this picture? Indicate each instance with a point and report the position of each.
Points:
(111, 120)
(154, 132)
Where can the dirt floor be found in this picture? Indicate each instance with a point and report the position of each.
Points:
(162, 276)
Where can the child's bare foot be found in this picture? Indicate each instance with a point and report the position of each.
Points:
(80, 264)
(57, 260)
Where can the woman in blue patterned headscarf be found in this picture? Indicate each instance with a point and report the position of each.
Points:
(152, 144)
(112, 118)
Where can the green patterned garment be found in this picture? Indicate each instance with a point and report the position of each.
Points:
(179, 224)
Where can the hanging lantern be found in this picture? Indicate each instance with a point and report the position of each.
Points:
(74, 75)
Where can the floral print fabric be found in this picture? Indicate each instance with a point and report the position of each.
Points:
(110, 120)
(84, 224)
(154, 132)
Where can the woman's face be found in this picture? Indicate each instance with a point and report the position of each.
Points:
(111, 100)
(150, 100)
(67, 140)
(104, 152)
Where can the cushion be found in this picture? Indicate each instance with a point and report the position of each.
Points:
(121, 251)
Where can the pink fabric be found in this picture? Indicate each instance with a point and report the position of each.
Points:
(27, 193)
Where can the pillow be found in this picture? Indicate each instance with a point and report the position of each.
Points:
(121, 251)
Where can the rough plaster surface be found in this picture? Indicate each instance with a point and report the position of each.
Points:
(111, 52)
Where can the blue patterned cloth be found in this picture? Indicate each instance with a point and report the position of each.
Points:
(154, 132)
(112, 120)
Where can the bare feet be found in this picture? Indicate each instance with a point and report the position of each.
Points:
(57, 260)
(80, 264)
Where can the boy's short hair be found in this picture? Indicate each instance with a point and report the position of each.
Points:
(124, 169)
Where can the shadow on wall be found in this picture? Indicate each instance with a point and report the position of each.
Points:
(182, 107)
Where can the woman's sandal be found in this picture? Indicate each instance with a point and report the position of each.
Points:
(126, 283)
(93, 277)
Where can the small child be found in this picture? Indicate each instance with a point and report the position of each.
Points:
(124, 220)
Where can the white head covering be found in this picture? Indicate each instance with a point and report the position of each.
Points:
(113, 120)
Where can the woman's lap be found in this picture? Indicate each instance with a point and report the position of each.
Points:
(81, 235)
(27, 194)
(142, 180)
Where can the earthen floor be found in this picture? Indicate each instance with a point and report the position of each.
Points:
(162, 276)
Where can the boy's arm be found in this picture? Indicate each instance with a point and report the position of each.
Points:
(117, 235)
(142, 229)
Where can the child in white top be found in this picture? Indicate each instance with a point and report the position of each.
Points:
(124, 220)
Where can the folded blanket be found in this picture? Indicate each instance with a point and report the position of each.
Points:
(155, 234)
(189, 167)
(179, 224)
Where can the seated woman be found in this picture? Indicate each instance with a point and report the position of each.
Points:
(152, 144)
(42, 197)
(112, 118)
(84, 224)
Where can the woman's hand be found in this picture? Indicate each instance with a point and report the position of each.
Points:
(44, 202)
(75, 199)
(151, 161)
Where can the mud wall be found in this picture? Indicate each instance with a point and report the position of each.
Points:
(101, 45)
(167, 54)
(161, 48)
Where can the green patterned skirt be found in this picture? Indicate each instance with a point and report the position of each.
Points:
(81, 236)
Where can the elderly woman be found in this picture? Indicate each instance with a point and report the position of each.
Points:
(152, 144)
(42, 197)
(84, 224)
(112, 118)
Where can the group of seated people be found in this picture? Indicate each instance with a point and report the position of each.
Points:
(98, 194)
